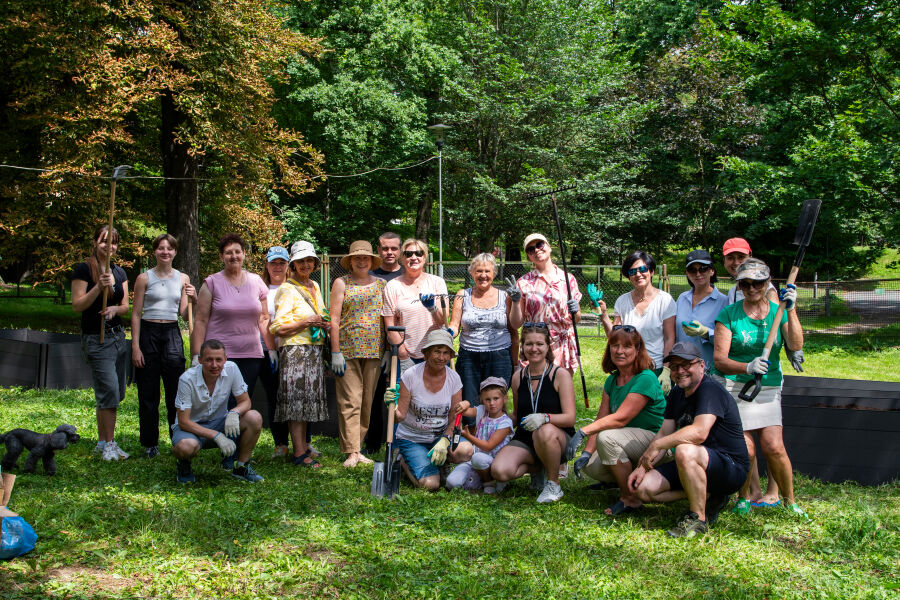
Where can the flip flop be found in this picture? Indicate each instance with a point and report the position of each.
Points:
(762, 504)
(620, 508)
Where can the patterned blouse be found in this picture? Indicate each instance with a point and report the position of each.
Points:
(545, 301)
(362, 334)
(292, 303)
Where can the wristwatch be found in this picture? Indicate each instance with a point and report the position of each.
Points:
(546, 418)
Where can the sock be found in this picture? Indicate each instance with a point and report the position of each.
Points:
(101, 445)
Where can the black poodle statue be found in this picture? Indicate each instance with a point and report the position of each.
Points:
(39, 445)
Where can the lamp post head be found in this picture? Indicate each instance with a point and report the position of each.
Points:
(439, 131)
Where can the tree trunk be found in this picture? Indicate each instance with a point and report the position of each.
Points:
(182, 196)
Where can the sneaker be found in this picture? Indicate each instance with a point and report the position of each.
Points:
(245, 472)
(538, 480)
(281, 452)
(98, 449)
(795, 508)
(551, 493)
(151, 452)
(183, 471)
(742, 507)
(122, 454)
(689, 526)
(714, 505)
(109, 452)
(228, 463)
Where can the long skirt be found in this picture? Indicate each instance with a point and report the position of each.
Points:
(301, 390)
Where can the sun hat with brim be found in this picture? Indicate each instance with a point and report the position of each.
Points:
(360, 248)
(439, 337)
(303, 249)
(735, 245)
(754, 269)
(276, 252)
(533, 237)
(698, 256)
(493, 382)
(683, 350)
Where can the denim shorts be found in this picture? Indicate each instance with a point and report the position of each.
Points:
(179, 434)
(416, 457)
(723, 475)
(108, 363)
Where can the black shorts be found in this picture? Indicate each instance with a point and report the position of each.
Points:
(723, 475)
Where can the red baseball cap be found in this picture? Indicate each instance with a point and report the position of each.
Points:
(736, 245)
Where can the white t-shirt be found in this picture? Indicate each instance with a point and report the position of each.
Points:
(401, 301)
(649, 324)
(428, 414)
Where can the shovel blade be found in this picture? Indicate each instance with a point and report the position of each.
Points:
(378, 482)
(808, 216)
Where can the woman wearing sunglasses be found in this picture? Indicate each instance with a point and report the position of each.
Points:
(697, 308)
(741, 332)
(649, 310)
(545, 300)
(410, 301)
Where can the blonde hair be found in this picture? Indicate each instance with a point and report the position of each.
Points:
(484, 257)
(420, 245)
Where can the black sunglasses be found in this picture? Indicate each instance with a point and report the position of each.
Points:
(699, 269)
(756, 283)
(411, 253)
(625, 328)
(531, 249)
(535, 324)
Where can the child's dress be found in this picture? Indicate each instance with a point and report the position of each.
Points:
(464, 474)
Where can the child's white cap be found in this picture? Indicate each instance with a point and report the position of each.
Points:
(493, 381)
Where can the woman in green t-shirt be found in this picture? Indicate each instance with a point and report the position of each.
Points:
(630, 415)
(741, 332)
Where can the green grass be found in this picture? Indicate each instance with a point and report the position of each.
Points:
(128, 530)
(886, 267)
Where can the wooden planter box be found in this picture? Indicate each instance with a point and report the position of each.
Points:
(43, 359)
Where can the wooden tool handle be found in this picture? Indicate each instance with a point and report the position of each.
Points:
(392, 407)
(773, 332)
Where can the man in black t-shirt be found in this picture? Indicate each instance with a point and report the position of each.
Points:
(703, 428)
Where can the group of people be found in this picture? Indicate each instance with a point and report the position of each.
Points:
(652, 441)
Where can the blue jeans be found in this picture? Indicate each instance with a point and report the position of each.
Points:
(416, 457)
(475, 367)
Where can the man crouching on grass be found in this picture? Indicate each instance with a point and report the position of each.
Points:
(702, 425)
(204, 420)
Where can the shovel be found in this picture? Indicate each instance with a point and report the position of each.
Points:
(808, 215)
(386, 475)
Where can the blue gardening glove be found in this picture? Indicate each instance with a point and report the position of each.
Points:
(573, 306)
(581, 463)
(427, 301)
(758, 366)
(796, 358)
(273, 359)
(226, 445)
(695, 329)
(788, 295)
(338, 364)
(595, 295)
(573, 444)
(391, 395)
(513, 291)
(534, 421)
(232, 424)
(438, 453)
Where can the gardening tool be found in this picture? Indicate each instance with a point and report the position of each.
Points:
(118, 173)
(457, 432)
(386, 475)
(808, 215)
(190, 311)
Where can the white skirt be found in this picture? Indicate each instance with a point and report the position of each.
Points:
(764, 411)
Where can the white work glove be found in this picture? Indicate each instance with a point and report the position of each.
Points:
(438, 453)
(385, 361)
(695, 329)
(534, 421)
(796, 358)
(195, 360)
(513, 291)
(338, 364)
(226, 445)
(665, 380)
(788, 295)
(574, 443)
(758, 366)
(273, 360)
(573, 306)
(233, 424)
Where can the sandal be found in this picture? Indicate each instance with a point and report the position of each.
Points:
(620, 508)
(742, 507)
(301, 461)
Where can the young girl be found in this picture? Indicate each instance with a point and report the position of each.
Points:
(493, 428)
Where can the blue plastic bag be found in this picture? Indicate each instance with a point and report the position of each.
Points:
(17, 537)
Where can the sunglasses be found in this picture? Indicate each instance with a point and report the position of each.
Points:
(535, 324)
(411, 253)
(531, 249)
(625, 328)
(746, 284)
(636, 270)
(682, 367)
(700, 269)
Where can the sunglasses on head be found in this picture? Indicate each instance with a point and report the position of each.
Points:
(535, 324)
(411, 253)
(625, 328)
(537, 246)
(755, 283)
(698, 269)
(636, 270)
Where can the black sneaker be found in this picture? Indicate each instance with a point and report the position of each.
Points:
(689, 526)
(228, 463)
(151, 451)
(184, 472)
(714, 505)
(245, 472)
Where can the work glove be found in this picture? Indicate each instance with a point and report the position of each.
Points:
(595, 295)
(391, 395)
(232, 424)
(451, 332)
(195, 360)
(513, 291)
(788, 295)
(317, 333)
(573, 306)
(427, 301)
(533, 421)
(573, 444)
(338, 364)
(796, 358)
(758, 366)
(581, 463)
(695, 329)
(226, 445)
(385, 361)
(665, 380)
(438, 453)
(273, 360)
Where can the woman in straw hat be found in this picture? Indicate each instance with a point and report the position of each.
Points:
(356, 345)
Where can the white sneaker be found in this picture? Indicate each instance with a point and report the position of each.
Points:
(98, 449)
(122, 454)
(109, 452)
(552, 492)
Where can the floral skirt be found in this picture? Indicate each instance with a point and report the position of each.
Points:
(301, 389)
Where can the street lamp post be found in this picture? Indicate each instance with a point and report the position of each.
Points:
(439, 131)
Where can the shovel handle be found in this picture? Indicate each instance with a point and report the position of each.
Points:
(393, 406)
(751, 389)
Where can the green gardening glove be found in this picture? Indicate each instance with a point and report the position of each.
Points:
(392, 394)
(595, 295)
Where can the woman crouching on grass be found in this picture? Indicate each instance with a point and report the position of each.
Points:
(544, 408)
(107, 358)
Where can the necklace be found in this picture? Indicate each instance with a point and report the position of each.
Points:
(536, 396)
(239, 284)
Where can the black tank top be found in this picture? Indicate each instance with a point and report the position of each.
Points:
(547, 402)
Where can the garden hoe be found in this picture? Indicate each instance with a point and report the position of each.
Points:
(386, 475)
(808, 215)
(118, 173)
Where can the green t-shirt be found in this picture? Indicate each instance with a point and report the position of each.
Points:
(646, 383)
(748, 337)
